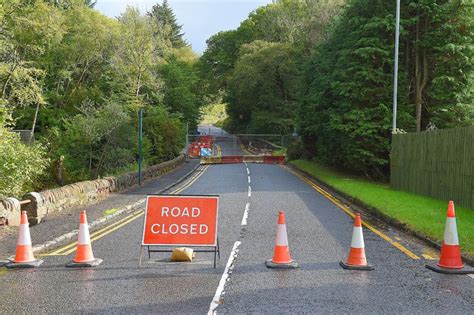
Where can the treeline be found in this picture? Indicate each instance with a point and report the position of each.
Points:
(326, 68)
(77, 80)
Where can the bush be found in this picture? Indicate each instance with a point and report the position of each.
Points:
(20, 164)
(296, 151)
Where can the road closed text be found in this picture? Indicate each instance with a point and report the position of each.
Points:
(173, 220)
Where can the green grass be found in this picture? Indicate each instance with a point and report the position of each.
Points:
(422, 214)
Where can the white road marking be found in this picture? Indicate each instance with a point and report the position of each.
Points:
(246, 214)
(471, 275)
(250, 191)
(225, 276)
(248, 171)
(248, 178)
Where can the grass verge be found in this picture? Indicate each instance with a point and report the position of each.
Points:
(423, 215)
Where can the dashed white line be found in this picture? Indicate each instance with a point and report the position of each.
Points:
(250, 191)
(225, 276)
(471, 275)
(246, 214)
(248, 178)
(248, 171)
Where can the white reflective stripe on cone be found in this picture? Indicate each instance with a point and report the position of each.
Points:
(24, 237)
(83, 235)
(450, 232)
(281, 237)
(357, 238)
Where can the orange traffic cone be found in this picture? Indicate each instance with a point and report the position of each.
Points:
(84, 256)
(281, 257)
(24, 252)
(450, 261)
(356, 259)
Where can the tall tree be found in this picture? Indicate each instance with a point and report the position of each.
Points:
(166, 24)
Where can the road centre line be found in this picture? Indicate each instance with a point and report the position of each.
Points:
(248, 178)
(70, 248)
(250, 191)
(216, 301)
(248, 171)
(246, 214)
(346, 209)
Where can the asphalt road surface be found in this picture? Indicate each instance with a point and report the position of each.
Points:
(319, 234)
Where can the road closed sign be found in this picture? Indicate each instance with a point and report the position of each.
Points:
(181, 220)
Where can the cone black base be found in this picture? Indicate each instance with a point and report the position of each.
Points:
(92, 263)
(353, 267)
(291, 265)
(461, 271)
(30, 264)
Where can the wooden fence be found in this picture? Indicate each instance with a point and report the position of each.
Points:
(439, 164)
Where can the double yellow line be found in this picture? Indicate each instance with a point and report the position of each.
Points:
(347, 210)
(70, 248)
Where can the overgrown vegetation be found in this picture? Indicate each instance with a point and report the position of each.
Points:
(214, 114)
(421, 214)
(326, 68)
(77, 80)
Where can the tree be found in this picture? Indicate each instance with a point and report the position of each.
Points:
(263, 89)
(25, 37)
(166, 24)
(349, 80)
(136, 57)
(20, 165)
(438, 42)
(182, 89)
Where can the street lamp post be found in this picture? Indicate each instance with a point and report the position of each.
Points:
(395, 71)
(140, 142)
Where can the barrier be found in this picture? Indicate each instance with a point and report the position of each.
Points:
(232, 159)
(211, 160)
(253, 159)
(274, 159)
(174, 220)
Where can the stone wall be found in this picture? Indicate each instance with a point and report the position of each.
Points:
(81, 193)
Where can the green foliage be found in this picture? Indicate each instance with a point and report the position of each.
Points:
(165, 23)
(167, 135)
(97, 140)
(263, 89)
(20, 165)
(244, 63)
(182, 89)
(78, 78)
(349, 81)
(214, 113)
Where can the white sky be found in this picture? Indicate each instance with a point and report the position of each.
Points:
(200, 18)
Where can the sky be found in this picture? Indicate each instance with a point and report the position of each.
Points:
(200, 18)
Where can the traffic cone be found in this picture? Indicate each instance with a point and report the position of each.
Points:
(356, 259)
(24, 252)
(84, 256)
(281, 257)
(450, 260)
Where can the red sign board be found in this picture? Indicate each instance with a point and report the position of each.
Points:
(181, 220)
